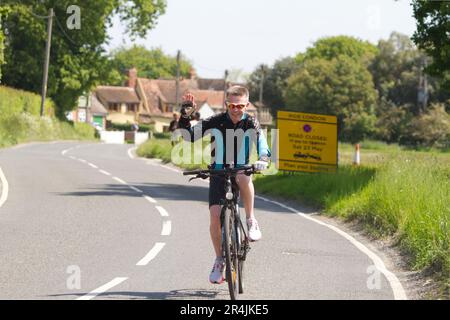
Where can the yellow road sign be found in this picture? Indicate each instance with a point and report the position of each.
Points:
(307, 142)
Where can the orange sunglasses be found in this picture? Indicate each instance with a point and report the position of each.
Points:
(240, 106)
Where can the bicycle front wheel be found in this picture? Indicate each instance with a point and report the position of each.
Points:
(231, 254)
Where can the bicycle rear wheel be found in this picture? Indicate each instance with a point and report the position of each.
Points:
(230, 250)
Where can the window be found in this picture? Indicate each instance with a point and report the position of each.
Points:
(113, 106)
(133, 107)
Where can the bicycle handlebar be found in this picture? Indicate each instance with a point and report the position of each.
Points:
(221, 171)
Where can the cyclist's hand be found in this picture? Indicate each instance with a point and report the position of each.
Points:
(261, 165)
(188, 105)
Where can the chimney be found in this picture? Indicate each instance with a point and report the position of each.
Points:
(132, 78)
(192, 74)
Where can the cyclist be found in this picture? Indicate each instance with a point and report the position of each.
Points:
(234, 119)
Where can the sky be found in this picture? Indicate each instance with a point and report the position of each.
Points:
(241, 34)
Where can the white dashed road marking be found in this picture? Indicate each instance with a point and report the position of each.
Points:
(135, 189)
(119, 180)
(104, 172)
(167, 228)
(162, 211)
(150, 199)
(151, 254)
(103, 288)
(93, 165)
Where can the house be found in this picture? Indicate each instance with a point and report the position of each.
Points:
(153, 101)
(97, 113)
(89, 110)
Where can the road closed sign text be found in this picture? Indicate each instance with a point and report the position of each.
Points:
(307, 142)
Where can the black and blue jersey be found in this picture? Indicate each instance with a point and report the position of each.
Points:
(246, 133)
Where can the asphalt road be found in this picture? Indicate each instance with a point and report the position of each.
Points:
(87, 221)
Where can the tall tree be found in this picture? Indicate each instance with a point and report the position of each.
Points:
(397, 71)
(331, 47)
(78, 60)
(433, 35)
(2, 59)
(152, 64)
(340, 86)
(333, 79)
(274, 82)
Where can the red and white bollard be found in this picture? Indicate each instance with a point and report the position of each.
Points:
(357, 158)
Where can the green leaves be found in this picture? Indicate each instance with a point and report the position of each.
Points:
(2, 47)
(432, 35)
(275, 81)
(150, 64)
(329, 48)
(77, 60)
(333, 79)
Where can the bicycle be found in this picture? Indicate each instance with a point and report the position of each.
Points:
(235, 240)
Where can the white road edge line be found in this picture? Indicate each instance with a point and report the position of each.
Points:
(162, 211)
(151, 254)
(82, 160)
(167, 228)
(150, 199)
(396, 286)
(104, 172)
(73, 158)
(130, 153)
(119, 180)
(5, 188)
(169, 168)
(103, 288)
(67, 150)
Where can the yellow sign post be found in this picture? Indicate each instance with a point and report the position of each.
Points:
(307, 142)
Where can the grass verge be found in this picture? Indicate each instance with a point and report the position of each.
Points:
(20, 120)
(400, 193)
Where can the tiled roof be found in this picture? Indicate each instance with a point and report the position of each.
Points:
(211, 84)
(96, 107)
(213, 98)
(113, 94)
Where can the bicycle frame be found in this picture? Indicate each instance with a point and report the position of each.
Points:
(235, 241)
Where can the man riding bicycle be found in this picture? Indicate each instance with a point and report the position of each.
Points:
(234, 122)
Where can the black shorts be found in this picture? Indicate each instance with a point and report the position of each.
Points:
(216, 190)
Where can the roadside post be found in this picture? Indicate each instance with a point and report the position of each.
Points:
(357, 157)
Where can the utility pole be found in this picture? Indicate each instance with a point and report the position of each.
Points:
(422, 94)
(177, 87)
(46, 59)
(225, 87)
(261, 85)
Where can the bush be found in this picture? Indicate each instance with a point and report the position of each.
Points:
(2, 60)
(392, 121)
(128, 127)
(431, 129)
(20, 120)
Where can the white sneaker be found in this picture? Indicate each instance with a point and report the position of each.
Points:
(216, 275)
(254, 233)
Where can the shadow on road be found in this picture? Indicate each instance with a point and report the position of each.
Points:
(182, 294)
(168, 192)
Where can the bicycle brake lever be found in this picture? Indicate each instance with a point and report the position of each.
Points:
(250, 172)
(199, 176)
